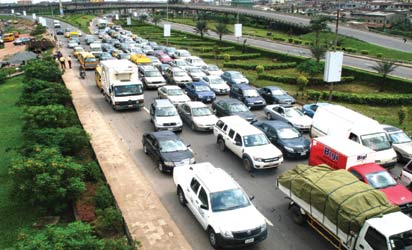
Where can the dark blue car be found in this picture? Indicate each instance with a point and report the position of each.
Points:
(198, 91)
(310, 109)
(248, 95)
(273, 94)
(285, 137)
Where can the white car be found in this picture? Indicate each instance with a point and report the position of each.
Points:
(72, 43)
(197, 115)
(289, 114)
(174, 93)
(211, 69)
(179, 63)
(220, 205)
(195, 73)
(216, 83)
(164, 116)
(195, 61)
(181, 54)
(401, 142)
(151, 77)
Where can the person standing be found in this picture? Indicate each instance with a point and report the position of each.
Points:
(69, 61)
(62, 62)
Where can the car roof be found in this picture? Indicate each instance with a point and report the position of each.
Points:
(287, 106)
(193, 57)
(212, 178)
(196, 104)
(147, 67)
(174, 69)
(230, 101)
(240, 125)
(171, 87)
(274, 123)
(273, 87)
(244, 86)
(163, 103)
(199, 84)
(164, 135)
(367, 168)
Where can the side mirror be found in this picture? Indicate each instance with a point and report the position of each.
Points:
(203, 206)
(188, 145)
(252, 197)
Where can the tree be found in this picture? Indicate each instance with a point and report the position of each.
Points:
(317, 25)
(143, 18)
(201, 28)
(156, 19)
(384, 68)
(50, 116)
(318, 51)
(221, 29)
(310, 67)
(38, 92)
(45, 69)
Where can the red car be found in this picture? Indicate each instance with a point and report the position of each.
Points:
(381, 179)
(164, 58)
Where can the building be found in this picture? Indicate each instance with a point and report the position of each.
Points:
(24, 2)
(379, 19)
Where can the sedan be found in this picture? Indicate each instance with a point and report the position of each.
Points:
(234, 77)
(310, 109)
(228, 107)
(195, 73)
(216, 83)
(174, 93)
(285, 137)
(274, 94)
(197, 115)
(21, 41)
(167, 150)
(163, 58)
(105, 56)
(401, 142)
(59, 32)
(200, 92)
(122, 55)
(211, 69)
(289, 114)
(72, 43)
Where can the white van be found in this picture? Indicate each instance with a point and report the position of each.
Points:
(96, 49)
(337, 120)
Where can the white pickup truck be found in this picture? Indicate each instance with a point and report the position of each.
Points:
(220, 205)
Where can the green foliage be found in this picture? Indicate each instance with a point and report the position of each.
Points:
(318, 51)
(302, 81)
(92, 172)
(103, 197)
(201, 28)
(156, 19)
(226, 57)
(260, 69)
(50, 116)
(45, 69)
(402, 114)
(278, 78)
(379, 55)
(364, 52)
(47, 179)
(39, 92)
(232, 57)
(310, 67)
(211, 49)
(251, 66)
(109, 220)
(3, 77)
(119, 244)
(221, 29)
(38, 30)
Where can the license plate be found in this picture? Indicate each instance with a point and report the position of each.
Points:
(130, 106)
(303, 153)
(208, 99)
(169, 128)
(249, 240)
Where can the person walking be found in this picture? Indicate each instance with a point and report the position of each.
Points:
(62, 62)
(69, 61)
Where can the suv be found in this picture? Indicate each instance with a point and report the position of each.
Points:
(248, 95)
(247, 142)
(164, 116)
(219, 204)
(177, 76)
(151, 76)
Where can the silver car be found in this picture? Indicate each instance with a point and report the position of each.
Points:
(197, 115)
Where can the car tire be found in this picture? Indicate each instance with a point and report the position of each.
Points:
(400, 157)
(297, 216)
(160, 167)
(212, 238)
(145, 149)
(247, 164)
(193, 126)
(268, 116)
(221, 144)
(181, 197)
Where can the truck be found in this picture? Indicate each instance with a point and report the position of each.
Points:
(345, 211)
(340, 121)
(96, 49)
(56, 24)
(121, 85)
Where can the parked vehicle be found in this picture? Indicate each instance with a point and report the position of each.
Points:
(170, 51)
(181, 63)
(198, 91)
(22, 41)
(181, 54)
(77, 50)
(167, 150)
(174, 93)
(122, 55)
(96, 49)
(121, 85)
(195, 73)
(197, 115)
(72, 43)
(212, 69)
(345, 211)
(273, 94)
(195, 61)
(216, 83)
(247, 142)
(140, 59)
(154, 60)
(286, 138)
(162, 68)
(164, 116)
(98, 77)
(220, 205)
(234, 77)
(151, 77)
(310, 109)
(248, 95)
(163, 58)
(89, 40)
(177, 76)
(8, 37)
(340, 121)
(87, 60)
(229, 107)
(289, 114)
(406, 175)
(401, 143)
(105, 56)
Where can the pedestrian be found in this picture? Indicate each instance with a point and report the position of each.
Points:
(59, 54)
(62, 62)
(404, 39)
(69, 61)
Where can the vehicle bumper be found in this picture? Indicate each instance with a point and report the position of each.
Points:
(256, 105)
(154, 85)
(205, 128)
(137, 105)
(230, 242)
(295, 155)
(170, 128)
(272, 164)
(207, 99)
(221, 91)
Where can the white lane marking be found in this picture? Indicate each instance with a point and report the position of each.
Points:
(145, 109)
(266, 219)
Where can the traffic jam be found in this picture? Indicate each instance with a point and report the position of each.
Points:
(345, 191)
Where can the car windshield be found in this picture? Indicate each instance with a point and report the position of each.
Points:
(194, 70)
(380, 179)
(377, 142)
(213, 68)
(175, 92)
(179, 74)
(90, 59)
(238, 107)
(250, 93)
(216, 81)
(152, 73)
(293, 112)
(180, 63)
(288, 133)
(197, 61)
(399, 137)
(236, 75)
(228, 200)
(201, 88)
(278, 92)
(126, 90)
(255, 140)
(166, 111)
(203, 111)
(167, 146)
(402, 241)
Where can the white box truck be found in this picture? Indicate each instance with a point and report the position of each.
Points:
(121, 85)
(336, 120)
(96, 49)
(56, 24)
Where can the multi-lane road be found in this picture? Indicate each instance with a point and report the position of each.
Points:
(130, 126)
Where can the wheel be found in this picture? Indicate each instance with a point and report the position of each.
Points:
(193, 126)
(160, 166)
(400, 157)
(247, 164)
(213, 238)
(145, 149)
(268, 116)
(181, 196)
(297, 216)
(221, 144)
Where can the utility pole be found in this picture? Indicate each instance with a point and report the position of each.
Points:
(61, 7)
(337, 24)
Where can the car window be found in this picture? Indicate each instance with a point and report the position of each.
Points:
(356, 174)
(219, 124)
(194, 185)
(225, 127)
(314, 107)
(203, 197)
(238, 138)
(231, 133)
(264, 127)
(376, 240)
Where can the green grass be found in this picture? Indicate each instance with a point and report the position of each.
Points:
(78, 20)
(14, 215)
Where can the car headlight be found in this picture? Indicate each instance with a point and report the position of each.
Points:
(289, 149)
(257, 159)
(263, 227)
(226, 234)
(192, 160)
(168, 163)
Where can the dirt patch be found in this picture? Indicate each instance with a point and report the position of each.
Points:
(11, 49)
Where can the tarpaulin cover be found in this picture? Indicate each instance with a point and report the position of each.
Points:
(339, 195)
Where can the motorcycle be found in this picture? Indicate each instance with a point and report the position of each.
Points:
(82, 73)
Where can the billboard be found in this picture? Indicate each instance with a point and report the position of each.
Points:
(238, 30)
(166, 29)
(333, 66)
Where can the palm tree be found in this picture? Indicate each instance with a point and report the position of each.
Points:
(201, 28)
(318, 51)
(156, 19)
(221, 29)
(384, 68)
(317, 25)
(143, 18)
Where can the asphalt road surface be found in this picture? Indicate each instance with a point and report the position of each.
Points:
(130, 126)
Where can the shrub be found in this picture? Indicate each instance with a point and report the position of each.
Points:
(260, 69)
(226, 57)
(39, 92)
(3, 77)
(119, 244)
(364, 52)
(46, 69)
(277, 78)
(93, 172)
(252, 66)
(310, 67)
(379, 55)
(47, 179)
(290, 40)
(402, 114)
(50, 116)
(302, 82)
(38, 30)
(109, 220)
(232, 57)
(103, 197)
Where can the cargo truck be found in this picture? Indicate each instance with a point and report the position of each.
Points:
(121, 85)
(345, 211)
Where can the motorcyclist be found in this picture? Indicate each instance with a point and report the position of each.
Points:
(82, 72)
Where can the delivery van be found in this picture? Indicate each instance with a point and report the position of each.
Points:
(336, 120)
(87, 60)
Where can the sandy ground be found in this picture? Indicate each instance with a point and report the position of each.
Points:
(10, 49)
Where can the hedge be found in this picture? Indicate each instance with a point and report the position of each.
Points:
(293, 80)
(185, 43)
(211, 49)
(232, 57)
(368, 99)
(252, 66)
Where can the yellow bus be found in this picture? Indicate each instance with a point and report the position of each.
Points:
(8, 37)
(87, 60)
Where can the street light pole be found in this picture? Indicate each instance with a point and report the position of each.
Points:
(337, 25)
